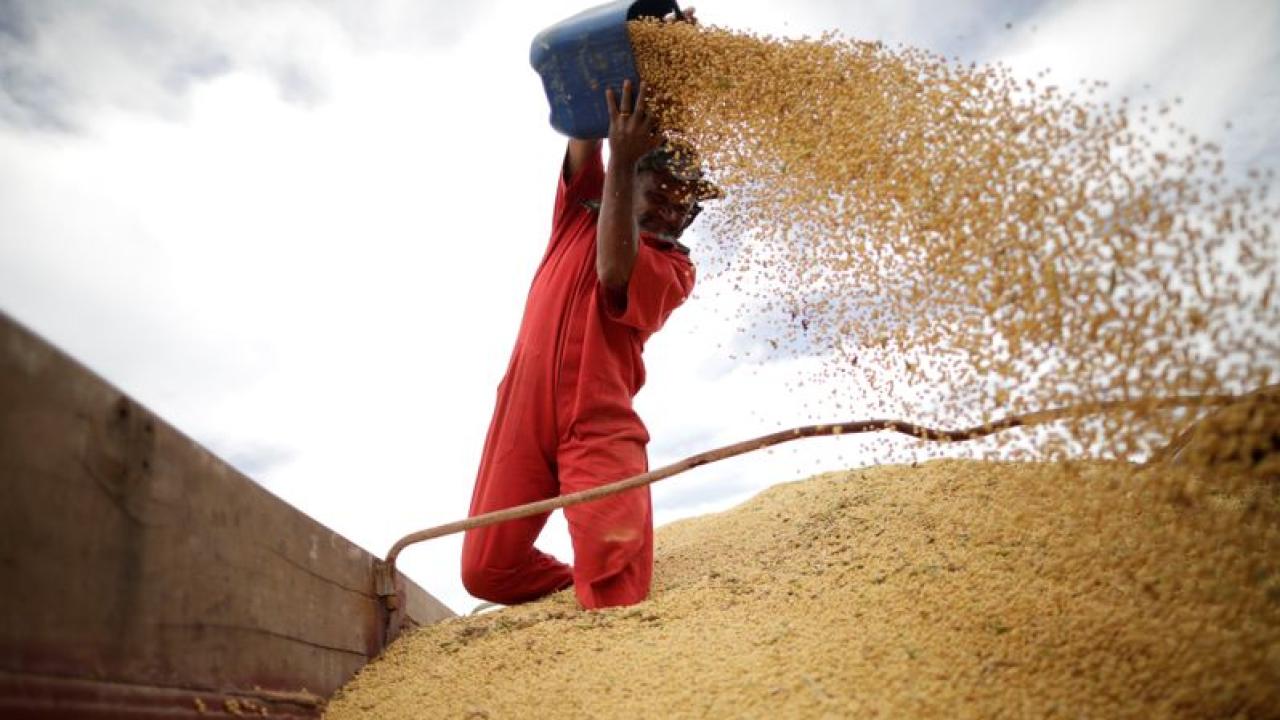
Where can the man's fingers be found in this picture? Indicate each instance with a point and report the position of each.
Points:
(611, 102)
(625, 105)
(686, 15)
(640, 99)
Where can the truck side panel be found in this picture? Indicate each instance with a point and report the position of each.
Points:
(135, 561)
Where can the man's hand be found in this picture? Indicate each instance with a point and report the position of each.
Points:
(632, 132)
(688, 16)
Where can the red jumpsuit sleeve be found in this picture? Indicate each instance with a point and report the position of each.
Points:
(586, 186)
(661, 281)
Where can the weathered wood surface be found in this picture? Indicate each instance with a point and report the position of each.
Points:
(135, 564)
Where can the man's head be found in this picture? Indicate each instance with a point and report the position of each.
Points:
(670, 189)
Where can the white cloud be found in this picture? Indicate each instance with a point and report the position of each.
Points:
(1218, 59)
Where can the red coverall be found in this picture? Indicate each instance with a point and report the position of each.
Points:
(564, 420)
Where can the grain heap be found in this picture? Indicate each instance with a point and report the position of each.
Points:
(959, 588)
(961, 244)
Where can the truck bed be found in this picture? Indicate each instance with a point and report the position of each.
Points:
(144, 577)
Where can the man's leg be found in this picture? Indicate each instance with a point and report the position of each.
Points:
(499, 562)
(613, 536)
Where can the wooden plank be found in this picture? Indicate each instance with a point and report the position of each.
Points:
(131, 555)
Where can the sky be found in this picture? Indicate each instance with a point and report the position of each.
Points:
(302, 231)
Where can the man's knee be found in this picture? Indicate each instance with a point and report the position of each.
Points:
(478, 576)
(482, 582)
(629, 586)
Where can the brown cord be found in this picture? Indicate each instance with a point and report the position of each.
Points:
(924, 433)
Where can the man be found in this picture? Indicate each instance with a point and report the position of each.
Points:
(613, 272)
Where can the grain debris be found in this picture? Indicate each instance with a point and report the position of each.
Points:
(960, 243)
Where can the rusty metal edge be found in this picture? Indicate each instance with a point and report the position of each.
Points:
(35, 696)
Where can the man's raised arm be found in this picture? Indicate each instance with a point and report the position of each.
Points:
(580, 152)
(631, 135)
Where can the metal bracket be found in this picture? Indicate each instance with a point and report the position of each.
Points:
(384, 584)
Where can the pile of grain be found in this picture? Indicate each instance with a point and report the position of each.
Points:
(958, 588)
(960, 242)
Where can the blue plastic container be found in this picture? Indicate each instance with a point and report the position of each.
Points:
(581, 56)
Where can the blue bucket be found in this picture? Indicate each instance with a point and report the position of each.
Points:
(581, 56)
